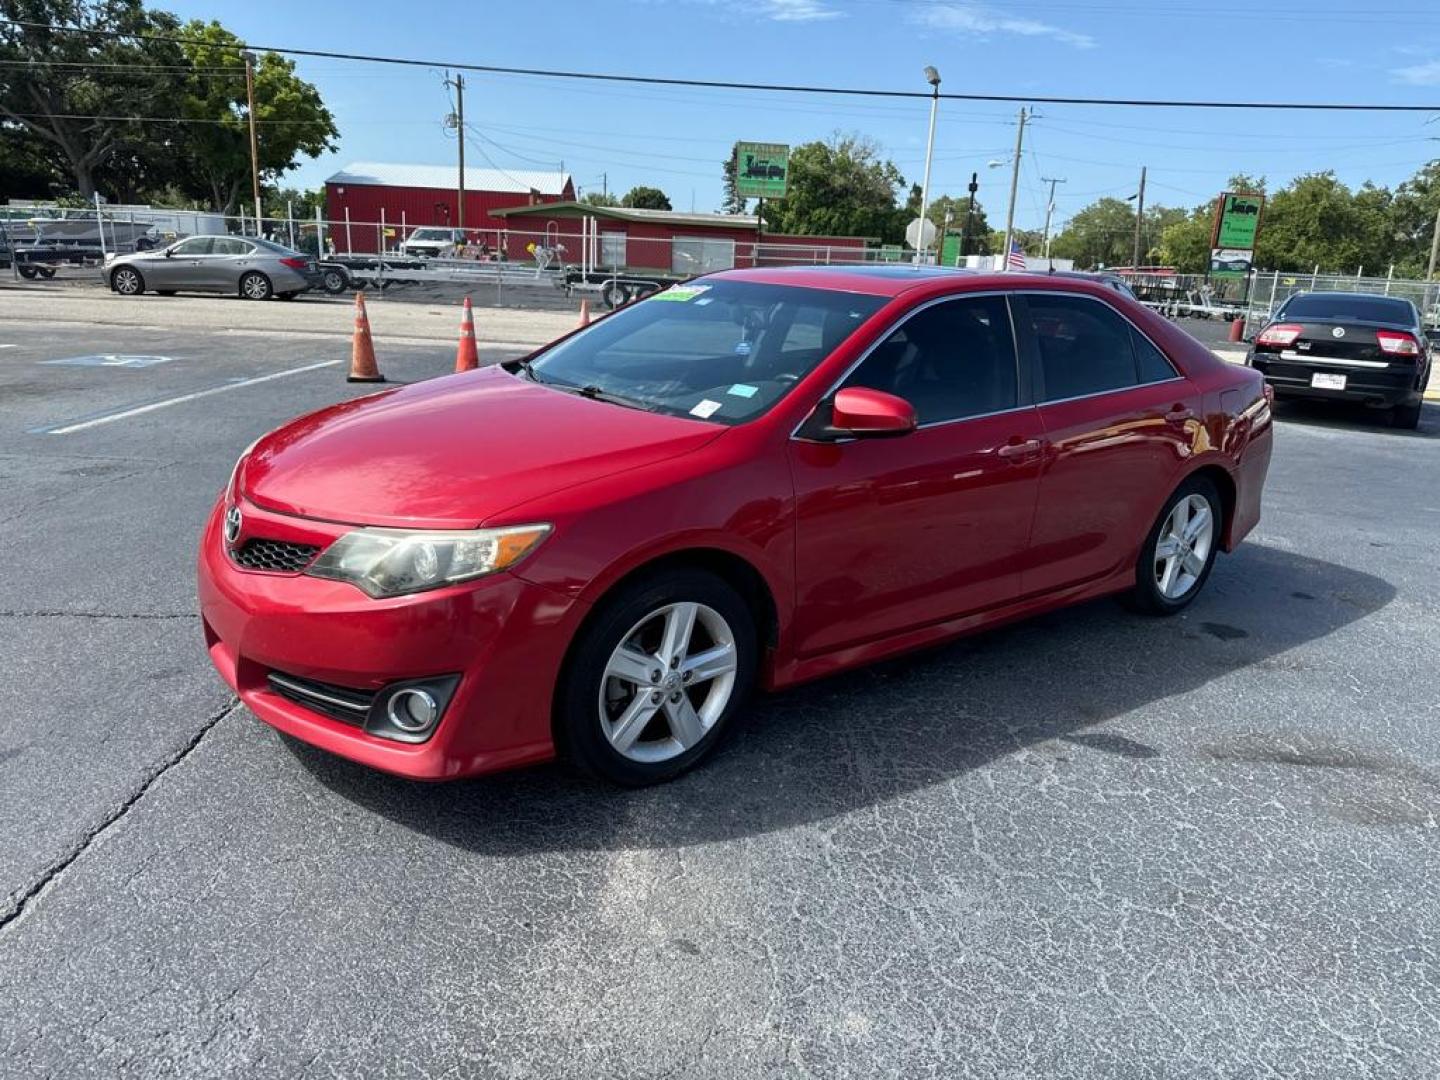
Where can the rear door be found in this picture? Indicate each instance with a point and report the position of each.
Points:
(229, 257)
(1119, 422)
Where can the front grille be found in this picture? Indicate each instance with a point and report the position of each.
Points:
(274, 556)
(339, 702)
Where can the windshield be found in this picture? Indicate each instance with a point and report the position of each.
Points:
(724, 351)
(1377, 309)
(430, 234)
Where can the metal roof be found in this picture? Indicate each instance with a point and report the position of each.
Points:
(629, 213)
(443, 178)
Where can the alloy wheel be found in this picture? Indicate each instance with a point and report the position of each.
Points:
(255, 287)
(1182, 550)
(127, 282)
(668, 682)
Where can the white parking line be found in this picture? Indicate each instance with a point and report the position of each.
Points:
(125, 414)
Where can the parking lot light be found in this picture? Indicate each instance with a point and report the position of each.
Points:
(933, 78)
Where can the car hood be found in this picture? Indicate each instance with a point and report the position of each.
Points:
(454, 452)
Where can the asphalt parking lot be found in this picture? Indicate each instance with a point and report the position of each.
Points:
(1090, 845)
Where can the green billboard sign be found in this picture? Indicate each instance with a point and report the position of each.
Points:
(761, 170)
(1237, 220)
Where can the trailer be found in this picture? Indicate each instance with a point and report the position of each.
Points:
(616, 285)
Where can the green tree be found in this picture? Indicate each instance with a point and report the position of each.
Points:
(1102, 234)
(1185, 243)
(731, 202)
(646, 198)
(839, 187)
(1317, 220)
(599, 198)
(292, 120)
(83, 99)
(1412, 218)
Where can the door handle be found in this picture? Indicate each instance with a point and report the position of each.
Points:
(1020, 449)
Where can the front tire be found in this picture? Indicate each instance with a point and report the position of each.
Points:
(1179, 552)
(335, 282)
(127, 281)
(256, 286)
(656, 677)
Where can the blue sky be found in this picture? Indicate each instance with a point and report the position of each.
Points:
(1305, 50)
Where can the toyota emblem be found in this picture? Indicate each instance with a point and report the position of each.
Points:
(1339, 331)
(232, 524)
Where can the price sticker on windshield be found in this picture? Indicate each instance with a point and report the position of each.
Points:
(681, 293)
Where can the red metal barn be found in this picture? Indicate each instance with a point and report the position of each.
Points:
(668, 241)
(405, 197)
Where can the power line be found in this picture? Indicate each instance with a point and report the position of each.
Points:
(718, 84)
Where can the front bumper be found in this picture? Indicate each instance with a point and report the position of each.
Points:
(504, 637)
(1397, 384)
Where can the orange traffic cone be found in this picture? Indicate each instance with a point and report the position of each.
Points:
(585, 312)
(466, 356)
(362, 349)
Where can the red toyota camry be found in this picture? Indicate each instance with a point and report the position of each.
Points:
(758, 477)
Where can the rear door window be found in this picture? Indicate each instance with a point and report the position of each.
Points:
(1084, 347)
(229, 245)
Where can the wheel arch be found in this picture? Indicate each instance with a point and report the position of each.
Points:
(1224, 483)
(735, 570)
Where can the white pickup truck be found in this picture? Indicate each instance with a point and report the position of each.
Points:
(432, 242)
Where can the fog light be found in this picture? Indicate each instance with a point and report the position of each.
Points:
(412, 710)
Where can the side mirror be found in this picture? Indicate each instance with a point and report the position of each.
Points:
(864, 413)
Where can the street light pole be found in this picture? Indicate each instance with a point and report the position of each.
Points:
(933, 78)
(249, 58)
(1014, 185)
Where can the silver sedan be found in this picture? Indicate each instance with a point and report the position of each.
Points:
(246, 266)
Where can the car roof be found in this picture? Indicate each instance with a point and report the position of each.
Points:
(895, 279)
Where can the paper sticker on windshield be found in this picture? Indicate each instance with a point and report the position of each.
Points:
(706, 409)
(744, 390)
(742, 348)
(681, 293)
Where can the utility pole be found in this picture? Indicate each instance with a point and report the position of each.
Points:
(1050, 208)
(249, 58)
(1014, 184)
(459, 84)
(1139, 220)
(1434, 248)
(604, 187)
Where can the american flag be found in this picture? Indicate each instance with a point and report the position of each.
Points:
(1016, 259)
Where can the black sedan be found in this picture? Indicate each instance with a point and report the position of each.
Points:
(1350, 347)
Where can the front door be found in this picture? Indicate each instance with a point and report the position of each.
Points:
(179, 267)
(897, 533)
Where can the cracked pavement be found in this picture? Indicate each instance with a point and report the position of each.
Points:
(1088, 845)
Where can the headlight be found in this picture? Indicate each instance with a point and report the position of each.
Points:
(389, 562)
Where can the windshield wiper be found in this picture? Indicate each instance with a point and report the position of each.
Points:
(595, 393)
(527, 366)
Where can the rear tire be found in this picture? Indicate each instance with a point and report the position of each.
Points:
(1406, 416)
(336, 281)
(1179, 551)
(127, 281)
(614, 295)
(625, 710)
(256, 286)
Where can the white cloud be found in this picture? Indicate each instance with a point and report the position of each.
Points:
(1420, 74)
(798, 10)
(977, 19)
